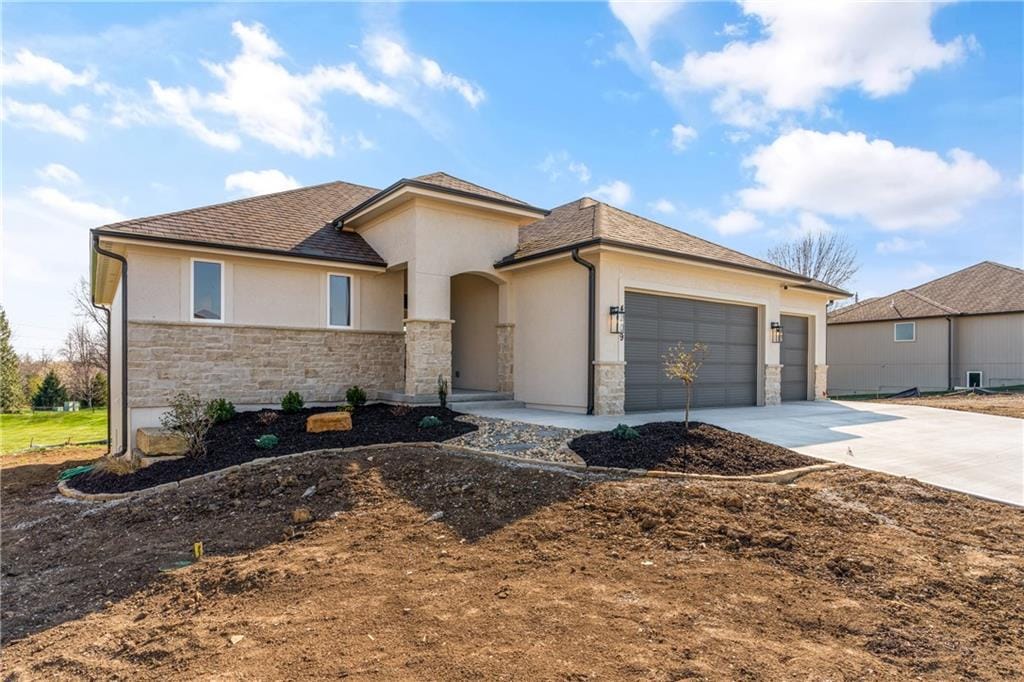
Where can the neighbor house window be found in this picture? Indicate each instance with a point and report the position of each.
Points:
(904, 331)
(339, 300)
(207, 290)
(974, 379)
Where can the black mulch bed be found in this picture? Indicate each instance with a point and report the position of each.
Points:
(234, 442)
(706, 449)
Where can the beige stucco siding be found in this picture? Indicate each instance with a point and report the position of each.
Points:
(474, 309)
(993, 345)
(550, 347)
(864, 358)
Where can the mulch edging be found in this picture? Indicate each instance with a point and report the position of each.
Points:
(778, 477)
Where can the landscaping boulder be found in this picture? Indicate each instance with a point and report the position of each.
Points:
(154, 441)
(329, 421)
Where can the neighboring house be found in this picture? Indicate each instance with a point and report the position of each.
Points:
(319, 288)
(964, 329)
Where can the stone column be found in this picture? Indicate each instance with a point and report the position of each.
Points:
(506, 339)
(428, 354)
(609, 387)
(821, 382)
(772, 384)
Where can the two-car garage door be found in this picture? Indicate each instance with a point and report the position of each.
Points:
(657, 323)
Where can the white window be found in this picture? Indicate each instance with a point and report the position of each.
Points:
(904, 331)
(207, 290)
(974, 379)
(339, 301)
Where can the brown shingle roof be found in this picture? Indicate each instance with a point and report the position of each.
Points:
(587, 220)
(292, 222)
(451, 182)
(983, 288)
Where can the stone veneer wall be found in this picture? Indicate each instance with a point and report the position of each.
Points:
(772, 384)
(428, 354)
(821, 382)
(609, 387)
(506, 368)
(257, 365)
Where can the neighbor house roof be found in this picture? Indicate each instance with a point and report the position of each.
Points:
(587, 221)
(295, 222)
(977, 290)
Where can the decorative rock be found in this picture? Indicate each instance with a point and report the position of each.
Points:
(301, 515)
(157, 441)
(329, 421)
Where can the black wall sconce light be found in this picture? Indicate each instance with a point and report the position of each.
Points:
(617, 320)
(776, 332)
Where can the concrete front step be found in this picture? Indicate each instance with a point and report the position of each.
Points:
(488, 405)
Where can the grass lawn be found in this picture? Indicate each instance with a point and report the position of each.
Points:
(19, 431)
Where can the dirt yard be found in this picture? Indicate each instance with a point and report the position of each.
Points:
(414, 564)
(1002, 404)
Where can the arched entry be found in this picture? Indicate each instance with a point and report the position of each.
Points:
(474, 309)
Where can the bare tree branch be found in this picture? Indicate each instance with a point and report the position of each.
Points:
(825, 256)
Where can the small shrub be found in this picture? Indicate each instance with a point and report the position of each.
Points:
(220, 410)
(267, 417)
(355, 396)
(400, 410)
(266, 441)
(442, 391)
(430, 422)
(625, 432)
(117, 466)
(345, 408)
(291, 402)
(189, 417)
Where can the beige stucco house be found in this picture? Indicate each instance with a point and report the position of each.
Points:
(319, 288)
(964, 329)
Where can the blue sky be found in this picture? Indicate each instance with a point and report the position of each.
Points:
(899, 125)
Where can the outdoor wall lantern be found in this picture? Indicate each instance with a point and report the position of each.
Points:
(617, 318)
(776, 332)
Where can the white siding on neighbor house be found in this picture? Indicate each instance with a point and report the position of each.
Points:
(993, 345)
(865, 358)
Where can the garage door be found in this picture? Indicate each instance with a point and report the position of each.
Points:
(656, 323)
(794, 357)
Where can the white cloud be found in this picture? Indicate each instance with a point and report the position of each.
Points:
(359, 141)
(252, 183)
(663, 206)
(556, 164)
(616, 193)
(42, 118)
(31, 69)
(809, 51)
(74, 209)
(736, 222)
(733, 30)
(682, 136)
(898, 245)
(392, 59)
(847, 175)
(642, 19)
(58, 173)
(267, 101)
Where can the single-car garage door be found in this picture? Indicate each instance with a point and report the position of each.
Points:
(794, 357)
(654, 324)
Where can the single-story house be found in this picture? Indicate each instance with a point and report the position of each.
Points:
(964, 329)
(320, 288)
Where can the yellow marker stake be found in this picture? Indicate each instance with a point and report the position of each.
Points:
(197, 550)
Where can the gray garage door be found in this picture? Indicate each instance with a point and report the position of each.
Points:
(794, 357)
(656, 323)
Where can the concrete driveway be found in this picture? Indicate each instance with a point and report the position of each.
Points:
(978, 454)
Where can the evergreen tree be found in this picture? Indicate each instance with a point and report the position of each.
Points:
(51, 392)
(98, 390)
(12, 396)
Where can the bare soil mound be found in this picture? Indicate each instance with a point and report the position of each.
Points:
(414, 564)
(703, 449)
(234, 441)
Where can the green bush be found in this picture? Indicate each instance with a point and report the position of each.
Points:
(292, 402)
(220, 410)
(355, 396)
(266, 441)
(625, 432)
(51, 392)
(345, 408)
(430, 422)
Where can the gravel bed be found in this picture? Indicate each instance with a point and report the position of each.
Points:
(547, 443)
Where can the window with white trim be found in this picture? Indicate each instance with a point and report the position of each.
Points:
(904, 331)
(207, 290)
(339, 301)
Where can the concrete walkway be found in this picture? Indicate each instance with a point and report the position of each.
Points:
(978, 454)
